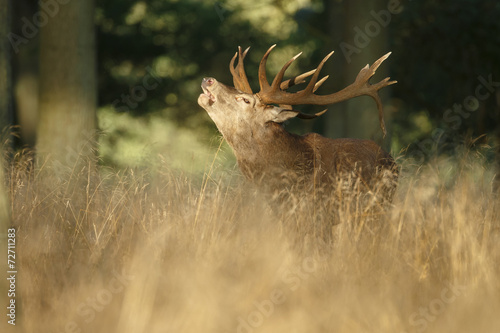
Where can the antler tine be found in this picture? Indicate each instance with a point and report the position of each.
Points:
(320, 82)
(312, 83)
(380, 113)
(300, 79)
(374, 94)
(310, 116)
(264, 84)
(243, 75)
(231, 64)
(240, 79)
(377, 63)
(296, 80)
(279, 77)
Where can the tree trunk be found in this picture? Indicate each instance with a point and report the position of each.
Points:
(68, 93)
(5, 113)
(364, 40)
(496, 185)
(5, 67)
(5, 121)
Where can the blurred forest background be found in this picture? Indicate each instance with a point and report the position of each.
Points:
(132, 69)
(110, 168)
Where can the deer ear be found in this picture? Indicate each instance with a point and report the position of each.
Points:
(280, 115)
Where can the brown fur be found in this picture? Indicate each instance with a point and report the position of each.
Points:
(271, 157)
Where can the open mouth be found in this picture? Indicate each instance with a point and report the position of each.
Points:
(204, 85)
(211, 98)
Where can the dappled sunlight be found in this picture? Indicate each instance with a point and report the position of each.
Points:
(153, 140)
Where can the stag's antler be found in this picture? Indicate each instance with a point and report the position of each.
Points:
(240, 80)
(276, 92)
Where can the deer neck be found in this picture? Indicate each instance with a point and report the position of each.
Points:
(269, 151)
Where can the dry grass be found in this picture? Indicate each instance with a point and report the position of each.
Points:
(138, 252)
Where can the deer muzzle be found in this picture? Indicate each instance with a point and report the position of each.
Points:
(207, 98)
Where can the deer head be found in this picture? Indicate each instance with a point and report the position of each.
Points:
(226, 104)
(251, 122)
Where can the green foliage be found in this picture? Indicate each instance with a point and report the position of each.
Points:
(152, 140)
(178, 42)
(182, 41)
(439, 51)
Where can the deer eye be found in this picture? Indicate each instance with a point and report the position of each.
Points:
(243, 99)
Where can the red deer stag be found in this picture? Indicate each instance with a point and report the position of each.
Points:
(270, 156)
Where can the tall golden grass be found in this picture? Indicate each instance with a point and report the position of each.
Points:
(133, 251)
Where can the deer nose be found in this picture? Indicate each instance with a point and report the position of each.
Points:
(208, 81)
